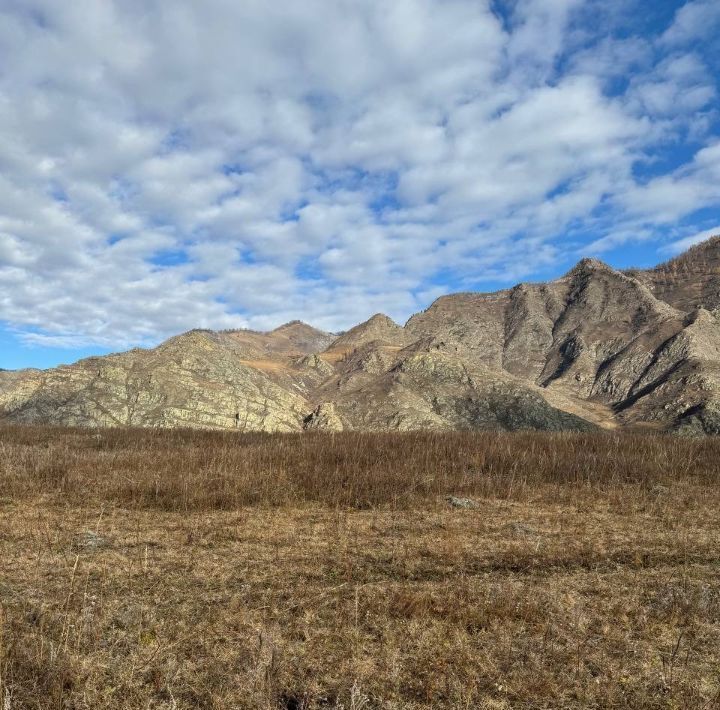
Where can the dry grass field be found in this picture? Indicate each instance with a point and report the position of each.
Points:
(179, 569)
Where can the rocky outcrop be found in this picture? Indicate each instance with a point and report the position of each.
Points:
(324, 418)
(597, 347)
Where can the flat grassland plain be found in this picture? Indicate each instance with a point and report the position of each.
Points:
(180, 569)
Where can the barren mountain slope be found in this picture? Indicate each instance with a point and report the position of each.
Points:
(597, 346)
(681, 384)
(430, 389)
(191, 380)
(587, 337)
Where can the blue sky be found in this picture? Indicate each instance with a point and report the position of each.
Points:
(216, 164)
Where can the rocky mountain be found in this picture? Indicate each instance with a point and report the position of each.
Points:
(595, 348)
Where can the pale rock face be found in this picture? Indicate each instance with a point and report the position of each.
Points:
(324, 418)
(597, 347)
(315, 362)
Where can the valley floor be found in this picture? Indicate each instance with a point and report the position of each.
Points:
(589, 580)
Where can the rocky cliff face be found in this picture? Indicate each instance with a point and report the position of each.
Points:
(597, 347)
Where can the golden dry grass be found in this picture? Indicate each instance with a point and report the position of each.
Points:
(150, 569)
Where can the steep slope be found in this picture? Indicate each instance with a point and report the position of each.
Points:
(607, 318)
(681, 385)
(690, 280)
(595, 347)
(586, 336)
(425, 388)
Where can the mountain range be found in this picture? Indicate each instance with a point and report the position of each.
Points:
(597, 347)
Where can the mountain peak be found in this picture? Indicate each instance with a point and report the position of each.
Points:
(298, 336)
(588, 265)
(294, 325)
(381, 319)
(378, 327)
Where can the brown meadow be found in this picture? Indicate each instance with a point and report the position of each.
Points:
(186, 569)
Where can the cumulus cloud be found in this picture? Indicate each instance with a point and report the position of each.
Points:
(666, 198)
(165, 166)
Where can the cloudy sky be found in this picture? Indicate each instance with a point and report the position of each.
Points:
(215, 163)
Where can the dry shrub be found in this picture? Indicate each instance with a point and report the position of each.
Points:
(201, 470)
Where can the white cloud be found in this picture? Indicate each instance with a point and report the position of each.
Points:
(695, 20)
(611, 58)
(665, 199)
(539, 34)
(173, 165)
(680, 84)
(680, 245)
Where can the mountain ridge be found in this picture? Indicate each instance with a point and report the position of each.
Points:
(597, 347)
